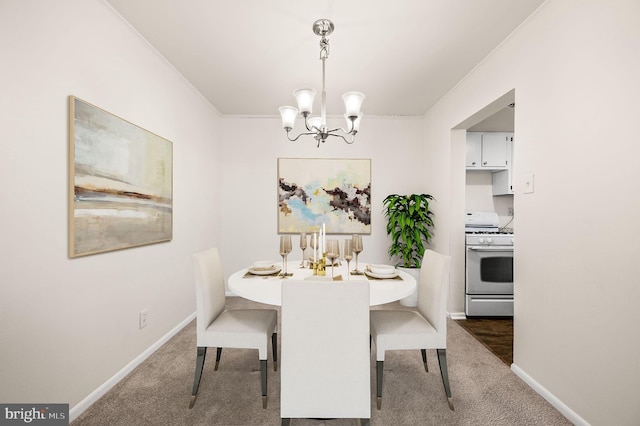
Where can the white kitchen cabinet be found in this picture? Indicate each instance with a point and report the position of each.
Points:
(494, 150)
(488, 151)
(503, 180)
(474, 150)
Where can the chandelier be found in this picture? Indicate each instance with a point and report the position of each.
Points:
(317, 125)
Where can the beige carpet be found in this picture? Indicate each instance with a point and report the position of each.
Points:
(485, 391)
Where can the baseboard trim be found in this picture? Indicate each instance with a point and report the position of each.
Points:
(106, 386)
(571, 415)
(457, 315)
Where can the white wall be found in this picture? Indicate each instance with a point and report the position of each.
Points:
(479, 197)
(574, 67)
(251, 149)
(70, 324)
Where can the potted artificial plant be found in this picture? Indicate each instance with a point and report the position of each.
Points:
(409, 222)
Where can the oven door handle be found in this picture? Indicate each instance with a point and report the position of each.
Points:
(494, 248)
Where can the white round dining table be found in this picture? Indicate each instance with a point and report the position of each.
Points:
(267, 288)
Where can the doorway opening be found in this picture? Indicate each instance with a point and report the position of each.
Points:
(482, 195)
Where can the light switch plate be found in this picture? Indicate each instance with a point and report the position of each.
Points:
(527, 183)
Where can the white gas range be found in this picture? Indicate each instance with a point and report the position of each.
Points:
(489, 267)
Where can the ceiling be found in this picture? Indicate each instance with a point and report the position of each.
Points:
(501, 121)
(246, 57)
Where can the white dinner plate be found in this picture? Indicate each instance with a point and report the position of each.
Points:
(380, 276)
(263, 271)
(381, 269)
(260, 264)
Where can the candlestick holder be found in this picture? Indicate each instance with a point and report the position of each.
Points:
(322, 265)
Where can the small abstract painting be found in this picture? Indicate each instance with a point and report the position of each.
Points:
(121, 184)
(316, 191)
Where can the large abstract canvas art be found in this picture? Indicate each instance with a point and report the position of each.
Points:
(120, 179)
(334, 192)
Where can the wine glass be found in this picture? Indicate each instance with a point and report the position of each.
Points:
(333, 252)
(348, 253)
(303, 246)
(357, 248)
(285, 249)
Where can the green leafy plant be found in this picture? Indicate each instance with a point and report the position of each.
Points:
(409, 221)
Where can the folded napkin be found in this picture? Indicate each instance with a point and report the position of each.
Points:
(270, 268)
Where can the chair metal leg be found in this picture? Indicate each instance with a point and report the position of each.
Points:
(442, 360)
(202, 353)
(285, 422)
(274, 345)
(424, 359)
(218, 355)
(263, 373)
(379, 370)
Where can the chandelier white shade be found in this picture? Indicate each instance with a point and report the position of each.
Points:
(352, 103)
(288, 114)
(305, 98)
(316, 126)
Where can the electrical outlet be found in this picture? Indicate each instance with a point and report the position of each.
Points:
(510, 211)
(144, 318)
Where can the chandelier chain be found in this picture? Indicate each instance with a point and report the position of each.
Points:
(324, 48)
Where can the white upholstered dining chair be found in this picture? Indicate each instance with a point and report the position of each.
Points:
(325, 356)
(423, 328)
(220, 328)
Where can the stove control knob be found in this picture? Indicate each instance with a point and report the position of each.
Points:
(489, 240)
(481, 240)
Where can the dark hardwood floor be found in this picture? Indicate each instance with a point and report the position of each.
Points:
(494, 333)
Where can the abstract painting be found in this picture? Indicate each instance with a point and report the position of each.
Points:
(121, 185)
(316, 191)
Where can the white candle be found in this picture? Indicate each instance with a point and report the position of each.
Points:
(324, 239)
(315, 245)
